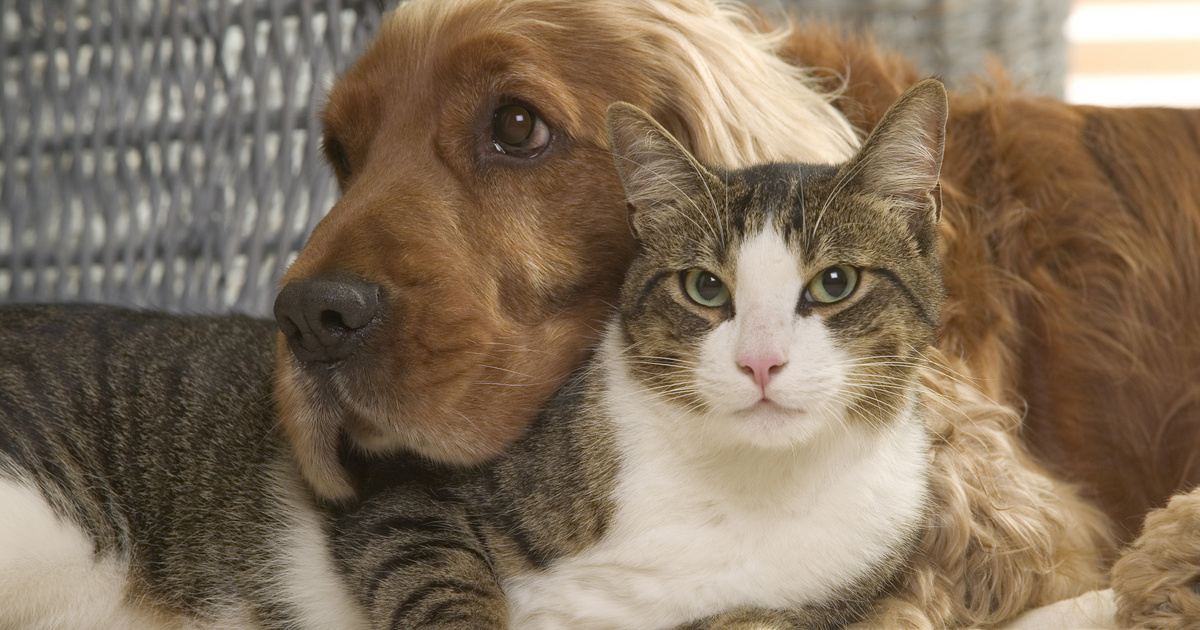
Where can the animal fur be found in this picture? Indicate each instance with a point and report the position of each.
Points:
(498, 274)
(1157, 580)
(1069, 237)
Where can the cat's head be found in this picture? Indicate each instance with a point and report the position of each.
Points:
(784, 299)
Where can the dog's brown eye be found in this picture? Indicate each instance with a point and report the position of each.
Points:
(335, 153)
(517, 130)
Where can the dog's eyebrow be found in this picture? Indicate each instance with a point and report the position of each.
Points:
(515, 68)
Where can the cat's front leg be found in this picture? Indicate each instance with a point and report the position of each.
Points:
(754, 619)
(413, 562)
(895, 613)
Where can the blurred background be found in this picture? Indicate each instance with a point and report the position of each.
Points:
(1134, 52)
(164, 153)
(1104, 52)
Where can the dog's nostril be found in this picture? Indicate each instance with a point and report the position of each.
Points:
(323, 318)
(333, 320)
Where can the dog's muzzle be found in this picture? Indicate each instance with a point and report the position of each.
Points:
(325, 318)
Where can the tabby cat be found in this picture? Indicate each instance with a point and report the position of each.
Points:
(143, 483)
(745, 447)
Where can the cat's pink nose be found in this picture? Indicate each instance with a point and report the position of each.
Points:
(762, 367)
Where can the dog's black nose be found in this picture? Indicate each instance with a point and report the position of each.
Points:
(325, 318)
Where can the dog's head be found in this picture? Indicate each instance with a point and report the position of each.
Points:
(482, 231)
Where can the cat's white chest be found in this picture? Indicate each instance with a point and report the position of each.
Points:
(682, 546)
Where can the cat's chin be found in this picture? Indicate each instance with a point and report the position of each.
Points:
(769, 424)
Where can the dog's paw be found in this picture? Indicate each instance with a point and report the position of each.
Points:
(1157, 581)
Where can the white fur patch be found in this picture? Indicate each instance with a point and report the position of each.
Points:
(312, 583)
(741, 506)
(49, 576)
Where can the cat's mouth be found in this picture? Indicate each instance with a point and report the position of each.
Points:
(766, 408)
(770, 424)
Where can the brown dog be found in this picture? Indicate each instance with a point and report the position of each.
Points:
(481, 235)
(482, 230)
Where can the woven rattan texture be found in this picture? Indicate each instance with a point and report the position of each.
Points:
(164, 153)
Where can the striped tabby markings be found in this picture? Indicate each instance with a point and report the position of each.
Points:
(745, 503)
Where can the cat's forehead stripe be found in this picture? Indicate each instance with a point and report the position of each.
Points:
(788, 198)
(760, 195)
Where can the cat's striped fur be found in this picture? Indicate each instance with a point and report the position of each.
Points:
(642, 496)
(153, 441)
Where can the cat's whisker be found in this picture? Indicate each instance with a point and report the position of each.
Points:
(653, 361)
(908, 368)
(886, 363)
(841, 183)
(672, 405)
(673, 392)
(531, 383)
(940, 368)
(866, 388)
(897, 388)
(934, 402)
(880, 381)
(516, 346)
(659, 357)
(510, 371)
(889, 371)
(906, 380)
(684, 387)
(708, 215)
(725, 237)
(647, 364)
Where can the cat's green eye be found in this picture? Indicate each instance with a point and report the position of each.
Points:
(705, 289)
(833, 284)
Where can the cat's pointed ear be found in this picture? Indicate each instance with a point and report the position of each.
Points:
(902, 157)
(657, 172)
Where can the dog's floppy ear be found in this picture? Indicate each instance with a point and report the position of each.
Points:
(902, 158)
(655, 169)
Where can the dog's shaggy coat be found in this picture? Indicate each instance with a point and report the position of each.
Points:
(1070, 236)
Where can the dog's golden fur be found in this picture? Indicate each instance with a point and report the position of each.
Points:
(1069, 234)
(1156, 581)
